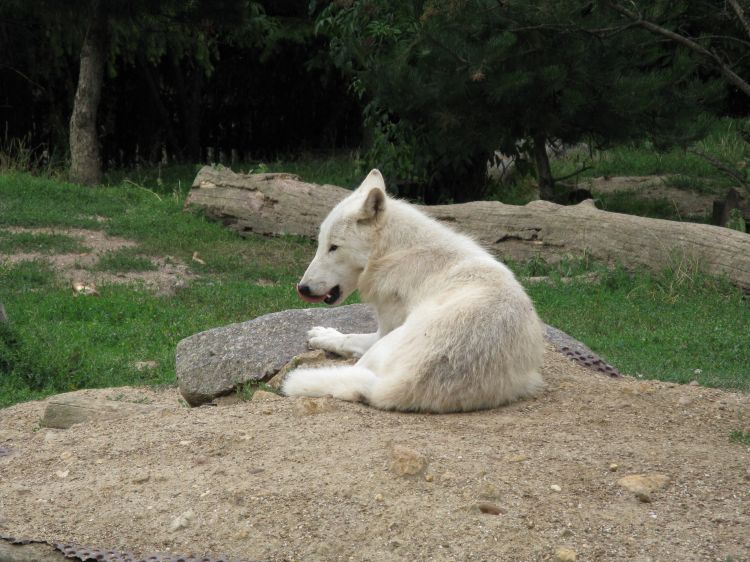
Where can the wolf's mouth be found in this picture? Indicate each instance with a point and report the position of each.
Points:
(333, 295)
(329, 298)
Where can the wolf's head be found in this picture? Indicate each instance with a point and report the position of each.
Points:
(344, 244)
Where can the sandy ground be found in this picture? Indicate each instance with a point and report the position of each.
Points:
(301, 479)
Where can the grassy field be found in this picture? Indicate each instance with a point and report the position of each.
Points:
(678, 325)
(59, 342)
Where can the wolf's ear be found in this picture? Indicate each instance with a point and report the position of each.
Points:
(373, 179)
(374, 204)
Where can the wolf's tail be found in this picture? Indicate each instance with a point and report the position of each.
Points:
(350, 383)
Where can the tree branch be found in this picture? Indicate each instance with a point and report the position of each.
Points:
(728, 38)
(723, 167)
(740, 12)
(455, 55)
(728, 73)
(22, 75)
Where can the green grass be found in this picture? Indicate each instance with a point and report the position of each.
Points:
(26, 276)
(691, 183)
(33, 201)
(246, 390)
(170, 180)
(622, 202)
(123, 261)
(679, 325)
(59, 342)
(42, 243)
(669, 326)
(344, 169)
(741, 437)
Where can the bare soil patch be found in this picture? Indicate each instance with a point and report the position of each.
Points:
(169, 274)
(302, 479)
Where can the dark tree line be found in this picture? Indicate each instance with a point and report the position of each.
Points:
(448, 82)
(177, 78)
(431, 88)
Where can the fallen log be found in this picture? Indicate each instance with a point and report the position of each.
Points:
(283, 204)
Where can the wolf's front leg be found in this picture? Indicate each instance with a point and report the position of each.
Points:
(348, 345)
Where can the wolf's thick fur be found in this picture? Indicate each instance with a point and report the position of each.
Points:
(456, 331)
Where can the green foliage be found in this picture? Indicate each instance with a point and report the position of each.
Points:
(449, 82)
(177, 38)
(182, 28)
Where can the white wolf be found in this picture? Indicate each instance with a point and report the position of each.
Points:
(456, 331)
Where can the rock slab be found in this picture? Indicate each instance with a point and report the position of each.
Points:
(214, 362)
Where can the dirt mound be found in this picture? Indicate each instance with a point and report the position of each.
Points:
(303, 479)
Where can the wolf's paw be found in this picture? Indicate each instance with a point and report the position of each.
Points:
(326, 339)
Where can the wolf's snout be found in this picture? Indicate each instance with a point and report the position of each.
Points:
(306, 294)
(330, 297)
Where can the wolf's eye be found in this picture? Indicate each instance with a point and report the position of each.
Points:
(333, 248)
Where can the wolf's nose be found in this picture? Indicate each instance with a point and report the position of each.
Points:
(303, 290)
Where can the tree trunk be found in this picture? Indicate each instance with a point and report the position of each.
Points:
(85, 159)
(283, 204)
(543, 170)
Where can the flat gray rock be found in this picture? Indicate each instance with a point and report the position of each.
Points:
(213, 363)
